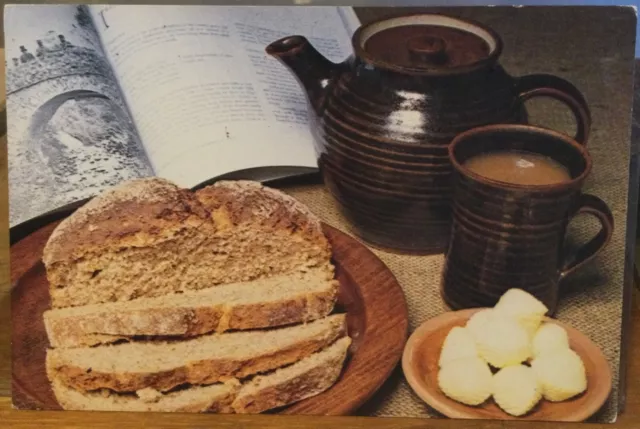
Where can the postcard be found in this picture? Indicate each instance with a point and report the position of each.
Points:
(393, 212)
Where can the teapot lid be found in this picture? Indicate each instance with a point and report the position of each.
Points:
(427, 44)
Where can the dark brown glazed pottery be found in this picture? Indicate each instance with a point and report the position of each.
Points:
(383, 118)
(412, 164)
(506, 235)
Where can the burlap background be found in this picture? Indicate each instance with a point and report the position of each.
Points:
(563, 42)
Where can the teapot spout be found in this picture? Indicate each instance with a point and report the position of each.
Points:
(312, 70)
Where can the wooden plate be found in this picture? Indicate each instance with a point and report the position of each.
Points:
(420, 366)
(369, 293)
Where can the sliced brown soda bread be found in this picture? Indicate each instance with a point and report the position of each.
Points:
(208, 359)
(285, 386)
(264, 303)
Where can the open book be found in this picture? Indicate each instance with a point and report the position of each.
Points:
(101, 94)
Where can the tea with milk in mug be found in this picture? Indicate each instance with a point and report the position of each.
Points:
(518, 167)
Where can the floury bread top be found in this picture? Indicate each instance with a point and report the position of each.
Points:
(143, 207)
(147, 237)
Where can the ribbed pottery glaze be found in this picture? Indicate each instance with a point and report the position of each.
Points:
(383, 143)
(512, 236)
(502, 240)
(382, 129)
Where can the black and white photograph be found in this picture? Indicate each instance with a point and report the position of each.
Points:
(70, 129)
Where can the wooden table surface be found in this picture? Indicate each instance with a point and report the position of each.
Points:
(66, 419)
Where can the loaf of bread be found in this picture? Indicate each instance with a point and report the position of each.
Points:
(168, 300)
(163, 365)
(148, 238)
(307, 377)
(264, 303)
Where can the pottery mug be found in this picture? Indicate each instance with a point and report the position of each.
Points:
(511, 235)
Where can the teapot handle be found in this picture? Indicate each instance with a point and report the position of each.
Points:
(545, 85)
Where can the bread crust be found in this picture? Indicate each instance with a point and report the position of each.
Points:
(141, 208)
(132, 214)
(234, 202)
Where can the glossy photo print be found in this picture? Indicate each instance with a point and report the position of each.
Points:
(359, 211)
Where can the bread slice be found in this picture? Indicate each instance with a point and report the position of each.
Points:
(305, 378)
(215, 398)
(265, 303)
(301, 380)
(164, 365)
(149, 238)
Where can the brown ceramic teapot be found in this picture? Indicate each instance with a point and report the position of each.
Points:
(384, 117)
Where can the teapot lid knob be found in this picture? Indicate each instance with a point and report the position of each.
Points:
(427, 49)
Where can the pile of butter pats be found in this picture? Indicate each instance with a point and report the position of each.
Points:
(531, 359)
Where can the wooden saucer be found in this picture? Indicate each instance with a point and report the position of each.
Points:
(420, 366)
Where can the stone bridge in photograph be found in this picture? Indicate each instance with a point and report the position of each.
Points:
(38, 88)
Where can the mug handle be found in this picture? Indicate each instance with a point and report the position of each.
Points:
(594, 206)
(546, 85)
